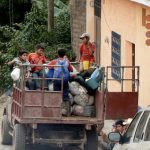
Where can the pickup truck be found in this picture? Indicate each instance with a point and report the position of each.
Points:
(35, 116)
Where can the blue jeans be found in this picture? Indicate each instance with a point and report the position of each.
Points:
(30, 84)
(57, 87)
(37, 82)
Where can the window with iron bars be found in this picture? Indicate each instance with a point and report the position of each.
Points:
(97, 6)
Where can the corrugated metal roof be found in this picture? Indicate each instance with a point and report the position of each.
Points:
(144, 2)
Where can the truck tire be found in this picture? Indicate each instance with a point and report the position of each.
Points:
(19, 137)
(5, 128)
(92, 140)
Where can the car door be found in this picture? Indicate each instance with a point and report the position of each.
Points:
(137, 139)
(128, 135)
(145, 143)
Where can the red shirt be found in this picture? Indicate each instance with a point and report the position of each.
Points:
(35, 58)
(54, 62)
(85, 52)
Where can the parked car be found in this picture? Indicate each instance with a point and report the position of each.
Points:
(137, 136)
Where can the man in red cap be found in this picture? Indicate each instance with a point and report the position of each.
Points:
(86, 49)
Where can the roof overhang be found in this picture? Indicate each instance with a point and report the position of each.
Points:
(144, 2)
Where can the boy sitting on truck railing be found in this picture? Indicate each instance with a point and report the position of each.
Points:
(63, 61)
(19, 61)
(37, 58)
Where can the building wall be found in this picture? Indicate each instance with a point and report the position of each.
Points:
(90, 20)
(78, 22)
(93, 26)
(125, 18)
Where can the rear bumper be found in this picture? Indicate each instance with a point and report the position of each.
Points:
(58, 142)
(62, 120)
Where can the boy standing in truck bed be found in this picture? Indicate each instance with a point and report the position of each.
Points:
(60, 72)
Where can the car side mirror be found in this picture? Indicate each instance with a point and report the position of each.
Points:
(114, 136)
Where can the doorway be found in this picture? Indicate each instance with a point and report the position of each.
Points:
(130, 61)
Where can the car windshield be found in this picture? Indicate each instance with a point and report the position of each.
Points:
(127, 136)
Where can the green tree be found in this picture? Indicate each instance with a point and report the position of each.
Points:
(31, 31)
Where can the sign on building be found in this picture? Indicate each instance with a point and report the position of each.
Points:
(147, 25)
(116, 55)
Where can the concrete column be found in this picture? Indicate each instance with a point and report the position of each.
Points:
(90, 19)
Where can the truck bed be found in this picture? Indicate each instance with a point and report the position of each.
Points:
(45, 107)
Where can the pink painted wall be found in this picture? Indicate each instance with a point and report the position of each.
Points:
(125, 18)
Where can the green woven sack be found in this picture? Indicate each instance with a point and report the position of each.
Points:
(92, 84)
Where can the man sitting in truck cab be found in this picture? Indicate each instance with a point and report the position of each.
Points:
(37, 58)
(60, 72)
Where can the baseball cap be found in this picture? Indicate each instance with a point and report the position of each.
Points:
(85, 35)
(119, 122)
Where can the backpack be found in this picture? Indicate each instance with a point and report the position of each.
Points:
(62, 71)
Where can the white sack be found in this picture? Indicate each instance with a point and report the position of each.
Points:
(71, 99)
(50, 87)
(74, 88)
(81, 99)
(15, 74)
(77, 110)
(90, 101)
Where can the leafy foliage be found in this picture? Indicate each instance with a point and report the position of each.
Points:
(31, 31)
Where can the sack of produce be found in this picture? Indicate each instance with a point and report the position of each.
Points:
(71, 99)
(86, 111)
(64, 109)
(81, 99)
(15, 74)
(82, 90)
(77, 110)
(74, 88)
(89, 111)
(90, 101)
(50, 87)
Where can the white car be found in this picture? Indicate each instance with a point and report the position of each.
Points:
(137, 136)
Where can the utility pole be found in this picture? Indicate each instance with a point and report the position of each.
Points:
(50, 4)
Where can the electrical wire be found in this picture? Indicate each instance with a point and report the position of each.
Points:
(106, 20)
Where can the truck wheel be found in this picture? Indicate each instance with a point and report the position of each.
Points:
(19, 137)
(5, 128)
(92, 140)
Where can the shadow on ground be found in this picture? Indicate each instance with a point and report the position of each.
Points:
(47, 147)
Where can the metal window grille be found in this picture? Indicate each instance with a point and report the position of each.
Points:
(116, 55)
(97, 6)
